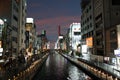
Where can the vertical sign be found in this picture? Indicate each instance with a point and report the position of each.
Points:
(0, 44)
(1, 27)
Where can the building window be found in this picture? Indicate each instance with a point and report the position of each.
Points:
(14, 39)
(113, 34)
(87, 11)
(99, 17)
(90, 17)
(83, 22)
(22, 41)
(15, 28)
(22, 31)
(98, 42)
(113, 46)
(115, 2)
(15, 18)
(76, 33)
(87, 19)
(90, 24)
(100, 52)
(117, 14)
(90, 7)
(14, 50)
(81, 25)
(15, 8)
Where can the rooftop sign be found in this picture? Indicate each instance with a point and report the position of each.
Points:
(29, 20)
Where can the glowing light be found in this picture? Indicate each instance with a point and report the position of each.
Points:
(1, 22)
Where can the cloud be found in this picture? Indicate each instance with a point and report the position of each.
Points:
(64, 21)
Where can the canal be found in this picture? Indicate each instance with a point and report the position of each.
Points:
(56, 67)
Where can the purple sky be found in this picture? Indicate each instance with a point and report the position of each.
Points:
(49, 14)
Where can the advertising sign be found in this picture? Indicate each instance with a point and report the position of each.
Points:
(117, 52)
(1, 22)
(84, 48)
(60, 37)
(29, 20)
(0, 44)
(89, 42)
(1, 49)
(1, 27)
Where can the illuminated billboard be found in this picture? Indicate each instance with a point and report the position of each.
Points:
(89, 42)
(60, 37)
(117, 52)
(29, 20)
(0, 44)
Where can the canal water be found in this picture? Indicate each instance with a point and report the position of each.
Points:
(56, 67)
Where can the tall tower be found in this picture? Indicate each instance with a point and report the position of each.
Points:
(59, 33)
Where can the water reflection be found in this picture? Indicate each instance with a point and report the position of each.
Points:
(75, 73)
(47, 62)
(57, 67)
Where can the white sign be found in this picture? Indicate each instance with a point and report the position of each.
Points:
(117, 52)
(1, 22)
(29, 20)
(84, 48)
(0, 54)
(1, 49)
(60, 37)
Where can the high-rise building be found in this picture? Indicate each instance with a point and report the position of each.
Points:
(21, 29)
(75, 35)
(87, 25)
(105, 17)
(14, 12)
(30, 34)
(11, 14)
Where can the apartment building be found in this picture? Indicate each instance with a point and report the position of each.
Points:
(10, 11)
(87, 25)
(105, 18)
(21, 29)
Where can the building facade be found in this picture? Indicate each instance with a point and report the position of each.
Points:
(87, 24)
(42, 42)
(14, 15)
(75, 35)
(21, 29)
(105, 16)
(30, 34)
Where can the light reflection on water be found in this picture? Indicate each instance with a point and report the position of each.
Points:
(57, 67)
(75, 74)
(47, 62)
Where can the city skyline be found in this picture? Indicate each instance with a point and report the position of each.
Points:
(48, 15)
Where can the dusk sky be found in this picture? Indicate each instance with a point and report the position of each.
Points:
(49, 14)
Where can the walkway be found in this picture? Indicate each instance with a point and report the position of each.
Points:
(110, 69)
(113, 69)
